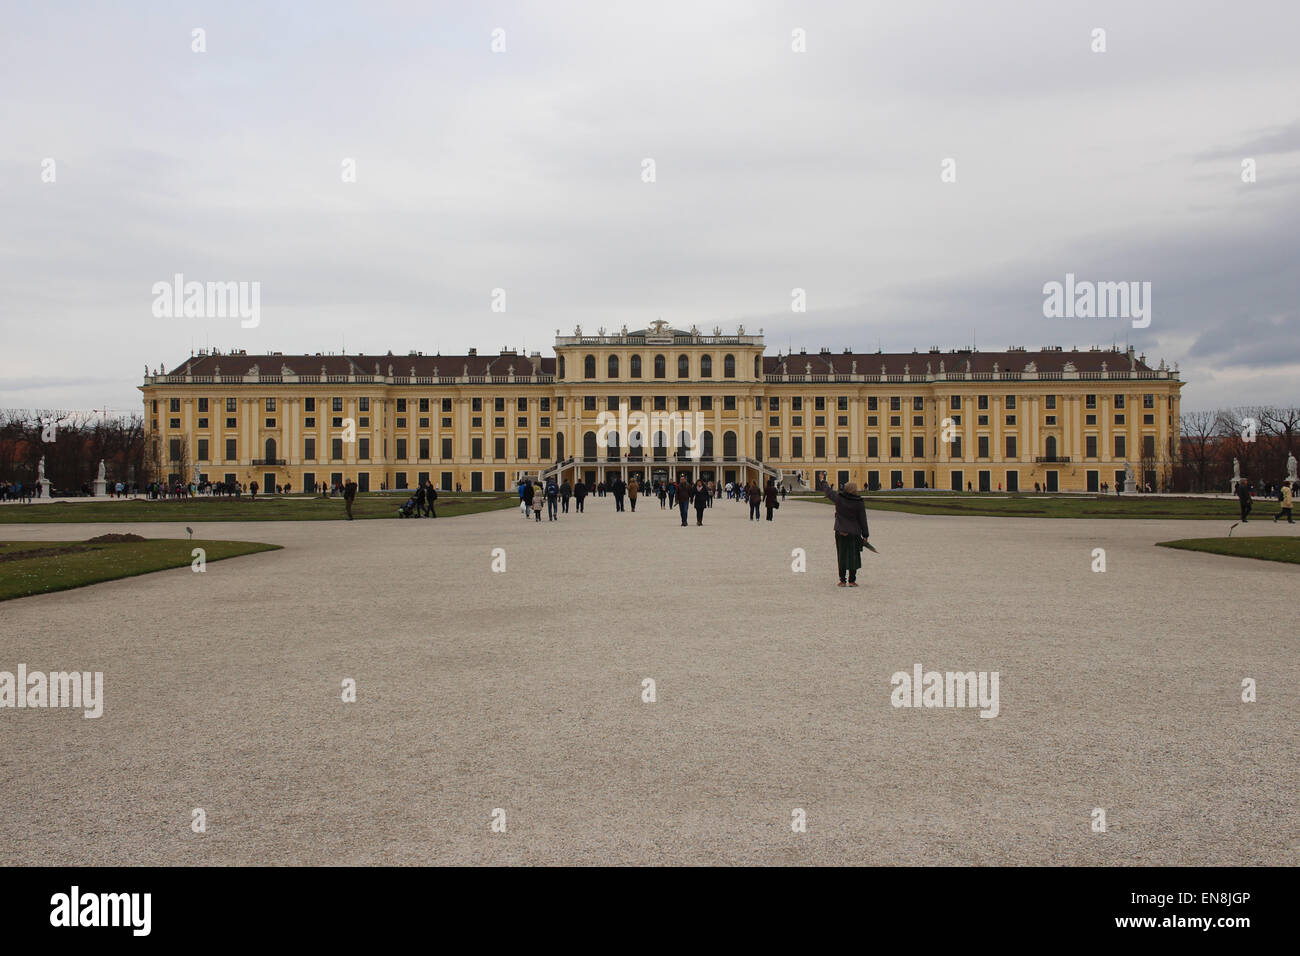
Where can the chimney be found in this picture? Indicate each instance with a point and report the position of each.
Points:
(473, 351)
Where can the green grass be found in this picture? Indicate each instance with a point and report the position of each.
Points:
(291, 508)
(1265, 549)
(1007, 505)
(40, 567)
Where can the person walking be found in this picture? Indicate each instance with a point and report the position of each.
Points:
(662, 492)
(528, 494)
(618, 490)
(769, 498)
(753, 496)
(419, 501)
(700, 496)
(850, 530)
(579, 495)
(538, 495)
(430, 496)
(349, 496)
(1243, 497)
(566, 492)
(672, 493)
(1288, 497)
(683, 492)
(633, 489)
(552, 499)
(709, 488)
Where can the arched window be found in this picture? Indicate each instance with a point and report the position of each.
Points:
(635, 364)
(729, 367)
(611, 446)
(706, 366)
(683, 367)
(758, 366)
(706, 445)
(635, 441)
(729, 445)
(661, 366)
(758, 446)
(561, 366)
(683, 444)
(612, 365)
(661, 446)
(1051, 447)
(589, 446)
(559, 446)
(589, 367)
(270, 451)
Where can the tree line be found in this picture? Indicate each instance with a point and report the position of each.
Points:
(1260, 438)
(72, 444)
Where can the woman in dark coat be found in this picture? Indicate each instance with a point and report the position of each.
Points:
(700, 497)
(769, 498)
(850, 530)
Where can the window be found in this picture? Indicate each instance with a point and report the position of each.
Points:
(634, 365)
(706, 366)
(1090, 446)
(476, 449)
(1010, 402)
(230, 423)
(918, 421)
(230, 405)
(895, 446)
(1051, 420)
(363, 405)
(270, 423)
(589, 367)
(1121, 447)
(1148, 400)
(981, 420)
(954, 401)
(982, 403)
(796, 447)
(424, 404)
(842, 420)
(424, 423)
(476, 423)
(729, 366)
(401, 423)
(728, 403)
(774, 447)
(401, 449)
(1090, 401)
(872, 404)
(498, 404)
(231, 453)
(661, 366)
(1011, 419)
(1011, 446)
(918, 446)
(1148, 446)
(895, 421)
(683, 403)
(706, 403)
(446, 448)
(611, 367)
(842, 446)
(363, 448)
(446, 404)
(635, 403)
(956, 446)
(1119, 401)
(424, 449)
(363, 423)
(336, 449)
(796, 420)
(589, 403)
(203, 404)
(661, 403)
(174, 450)
(819, 446)
(683, 367)
(1119, 419)
(611, 403)
(873, 421)
(796, 404)
(401, 405)
(983, 446)
(819, 404)
(446, 423)
(522, 449)
(545, 452)
(561, 367)
(174, 405)
(1148, 419)
(774, 421)
(546, 404)
(176, 422)
(773, 404)
(499, 422)
(203, 423)
(873, 447)
(476, 404)
(1090, 419)
(203, 449)
(1051, 401)
(521, 422)
(956, 419)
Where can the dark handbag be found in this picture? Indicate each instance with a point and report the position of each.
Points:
(776, 504)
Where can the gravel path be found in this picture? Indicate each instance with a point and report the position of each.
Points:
(522, 691)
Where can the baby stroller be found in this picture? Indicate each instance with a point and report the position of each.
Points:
(407, 510)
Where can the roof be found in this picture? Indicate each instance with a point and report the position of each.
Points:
(240, 364)
(900, 363)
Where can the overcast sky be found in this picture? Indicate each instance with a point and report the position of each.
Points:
(523, 170)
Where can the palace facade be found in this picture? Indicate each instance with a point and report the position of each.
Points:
(660, 402)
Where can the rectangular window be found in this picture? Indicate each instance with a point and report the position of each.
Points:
(521, 404)
(230, 405)
(1121, 447)
(446, 449)
(521, 422)
(796, 447)
(1090, 446)
(819, 404)
(424, 407)
(363, 405)
(895, 446)
(544, 453)
(1119, 401)
(873, 446)
(895, 421)
(424, 449)
(446, 404)
(174, 405)
(634, 403)
(476, 449)
(1090, 419)
(873, 421)
(589, 403)
(309, 404)
(203, 449)
(706, 403)
(336, 449)
(401, 449)
(522, 449)
(203, 423)
(498, 404)
(796, 403)
(1148, 419)
(956, 447)
(819, 446)
(774, 404)
(363, 449)
(446, 423)
(842, 403)
(661, 403)
(401, 422)
(476, 404)
(1090, 401)
(424, 422)
(174, 450)
(1050, 420)
(983, 445)
(954, 402)
(918, 404)
(546, 404)
(918, 446)
(401, 405)
(796, 421)
(1011, 419)
(773, 447)
(983, 403)
(337, 404)
(1010, 402)
(231, 453)
(1148, 400)
(1011, 446)
(176, 422)
(1148, 446)
(203, 404)
(309, 449)
(842, 446)
(774, 421)
(499, 449)
(873, 403)
(1051, 402)
(842, 420)
(895, 403)
(918, 421)
(1119, 419)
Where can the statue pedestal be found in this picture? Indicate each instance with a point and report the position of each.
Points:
(101, 487)
(1130, 486)
(44, 484)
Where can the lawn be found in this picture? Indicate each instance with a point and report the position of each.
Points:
(39, 567)
(283, 508)
(995, 504)
(1265, 549)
